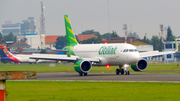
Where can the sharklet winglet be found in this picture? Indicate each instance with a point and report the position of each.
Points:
(176, 46)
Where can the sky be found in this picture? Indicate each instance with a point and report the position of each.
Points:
(141, 16)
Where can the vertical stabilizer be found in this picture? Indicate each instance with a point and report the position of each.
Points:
(6, 55)
(176, 46)
(5, 52)
(71, 39)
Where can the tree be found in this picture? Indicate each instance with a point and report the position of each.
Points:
(1, 35)
(99, 39)
(169, 35)
(60, 42)
(106, 36)
(156, 42)
(109, 35)
(43, 51)
(93, 40)
(146, 39)
(114, 34)
(88, 41)
(134, 35)
(9, 37)
(88, 32)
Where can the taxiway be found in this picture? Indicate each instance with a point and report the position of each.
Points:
(133, 77)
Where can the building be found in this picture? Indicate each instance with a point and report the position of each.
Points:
(35, 40)
(28, 26)
(85, 37)
(139, 44)
(170, 46)
(50, 41)
(18, 45)
(9, 27)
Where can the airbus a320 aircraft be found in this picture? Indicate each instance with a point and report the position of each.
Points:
(86, 55)
(20, 58)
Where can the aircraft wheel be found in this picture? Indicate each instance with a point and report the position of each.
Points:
(128, 73)
(80, 74)
(117, 71)
(122, 71)
(85, 74)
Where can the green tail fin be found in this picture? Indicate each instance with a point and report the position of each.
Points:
(70, 37)
(176, 46)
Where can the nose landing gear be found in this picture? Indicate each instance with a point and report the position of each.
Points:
(127, 72)
(81, 74)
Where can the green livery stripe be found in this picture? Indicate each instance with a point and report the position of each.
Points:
(70, 30)
(176, 47)
(76, 65)
(71, 39)
(69, 50)
(66, 18)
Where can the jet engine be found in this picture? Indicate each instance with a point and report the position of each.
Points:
(141, 65)
(82, 66)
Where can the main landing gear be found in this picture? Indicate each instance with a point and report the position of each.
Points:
(121, 70)
(81, 74)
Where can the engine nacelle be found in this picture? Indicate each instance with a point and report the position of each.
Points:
(141, 65)
(82, 66)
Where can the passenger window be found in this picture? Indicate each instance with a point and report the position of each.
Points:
(130, 50)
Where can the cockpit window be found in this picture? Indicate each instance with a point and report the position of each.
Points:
(130, 50)
(135, 50)
(125, 50)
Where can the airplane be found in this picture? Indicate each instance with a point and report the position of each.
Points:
(20, 58)
(85, 56)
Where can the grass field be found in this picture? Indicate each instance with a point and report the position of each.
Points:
(91, 91)
(152, 68)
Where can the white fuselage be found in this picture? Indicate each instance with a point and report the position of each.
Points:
(109, 54)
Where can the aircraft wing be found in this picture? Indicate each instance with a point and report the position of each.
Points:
(61, 58)
(155, 53)
(53, 57)
(92, 59)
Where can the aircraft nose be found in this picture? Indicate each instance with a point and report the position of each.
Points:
(134, 58)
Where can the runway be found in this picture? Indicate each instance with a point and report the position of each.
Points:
(133, 77)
